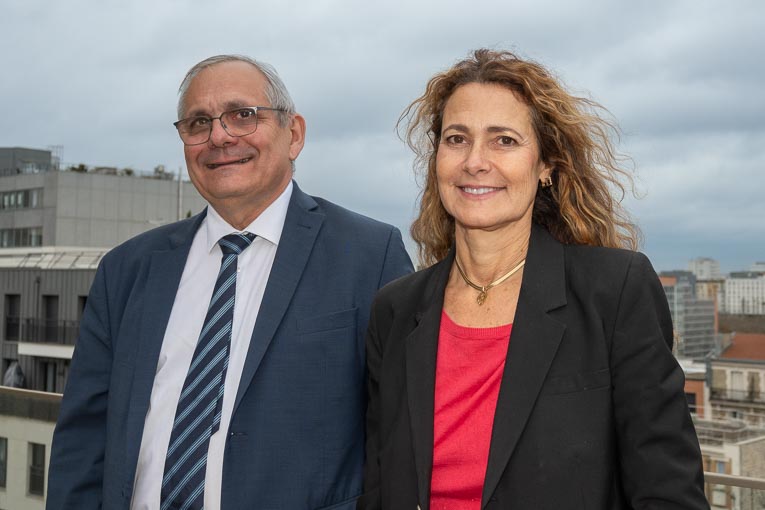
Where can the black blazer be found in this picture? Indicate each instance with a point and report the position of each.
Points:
(591, 411)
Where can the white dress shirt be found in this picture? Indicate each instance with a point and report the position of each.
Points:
(181, 336)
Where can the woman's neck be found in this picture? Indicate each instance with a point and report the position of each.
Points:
(487, 255)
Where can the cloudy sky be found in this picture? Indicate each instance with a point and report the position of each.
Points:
(681, 77)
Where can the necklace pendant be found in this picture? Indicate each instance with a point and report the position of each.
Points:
(481, 298)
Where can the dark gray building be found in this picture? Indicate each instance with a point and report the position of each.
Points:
(40, 310)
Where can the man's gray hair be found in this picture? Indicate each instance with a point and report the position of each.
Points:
(276, 92)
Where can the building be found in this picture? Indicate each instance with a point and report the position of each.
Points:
(745, 293)
(694, 319)
(731, 431)
(758, 267)
(705, 268)
(43, 292)
(55, 225)
(18, 160)
(42, 206)
(714, 290)
(27, 420)
(731, 447)
(696, 390)
(737, 380)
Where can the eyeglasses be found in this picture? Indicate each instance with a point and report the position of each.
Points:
(239, 122)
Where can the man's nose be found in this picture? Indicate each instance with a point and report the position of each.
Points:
(219, 137)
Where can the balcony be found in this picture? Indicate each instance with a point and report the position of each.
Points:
(12, 327)
(734, 492)
(728, 492)
(49, 331)
(48, 338)
(753, 396)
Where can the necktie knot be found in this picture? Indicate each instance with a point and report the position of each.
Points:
(234, 244)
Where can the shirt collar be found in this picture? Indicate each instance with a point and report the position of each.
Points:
(268, 225)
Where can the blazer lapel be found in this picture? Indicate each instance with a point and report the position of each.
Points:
(162, 279)
(533, 343)
(421, 351)
(301, 226)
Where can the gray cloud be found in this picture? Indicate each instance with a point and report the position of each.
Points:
(682, 79)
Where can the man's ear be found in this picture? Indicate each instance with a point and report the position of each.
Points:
(297, 129)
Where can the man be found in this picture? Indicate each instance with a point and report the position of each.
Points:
(220, 361)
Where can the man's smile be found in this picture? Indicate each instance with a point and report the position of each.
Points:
(213, 166)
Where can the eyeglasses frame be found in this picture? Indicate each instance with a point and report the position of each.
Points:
(219, 118)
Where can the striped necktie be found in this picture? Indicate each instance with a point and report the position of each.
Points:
(198, 414)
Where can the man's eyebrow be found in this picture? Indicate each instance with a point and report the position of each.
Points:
(236, 104)
(227, 106)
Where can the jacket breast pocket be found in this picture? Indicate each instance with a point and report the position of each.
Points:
(577, 382)
(327, 322)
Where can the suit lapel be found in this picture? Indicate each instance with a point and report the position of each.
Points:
(421, 351)
(301, 226)
(162, 279)
(533, 343)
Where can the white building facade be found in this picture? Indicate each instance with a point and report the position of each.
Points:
(705, 268)
(745, 293)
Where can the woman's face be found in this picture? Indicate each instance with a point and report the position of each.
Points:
(488, 164)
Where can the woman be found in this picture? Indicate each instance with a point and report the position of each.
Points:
(530, 366)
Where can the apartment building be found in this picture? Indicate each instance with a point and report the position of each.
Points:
(704, 268)
(745, 293)
(731, 447)
(55, 225)
(43, 206)
(694, 319)
(27, 420)
(737, 380)
(42, 296)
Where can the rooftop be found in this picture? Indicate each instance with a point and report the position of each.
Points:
(52, 257)
(750, 346)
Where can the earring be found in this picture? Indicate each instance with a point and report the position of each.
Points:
(546, 182)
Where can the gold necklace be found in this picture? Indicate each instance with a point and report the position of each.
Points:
(483, 290)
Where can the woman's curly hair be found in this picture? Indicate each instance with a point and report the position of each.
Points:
(583, 206)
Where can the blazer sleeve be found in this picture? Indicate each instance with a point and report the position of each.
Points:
(371, 497)
(77, 455)
(658, 448)
(397, 262)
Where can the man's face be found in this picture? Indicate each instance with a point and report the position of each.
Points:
(239, 176)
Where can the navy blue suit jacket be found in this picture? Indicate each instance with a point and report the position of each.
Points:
(296, 438)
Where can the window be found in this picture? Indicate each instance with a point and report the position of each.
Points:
(737, 382)
(36, 469)
(719, 497)
(691, 398)
(12, 316)
(20, 237)
(50, 319)
(35, 237)
(21, 199)
(35, 198)
(48, 369)
(3, 460)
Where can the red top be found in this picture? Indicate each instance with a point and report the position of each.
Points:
(469, 369)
